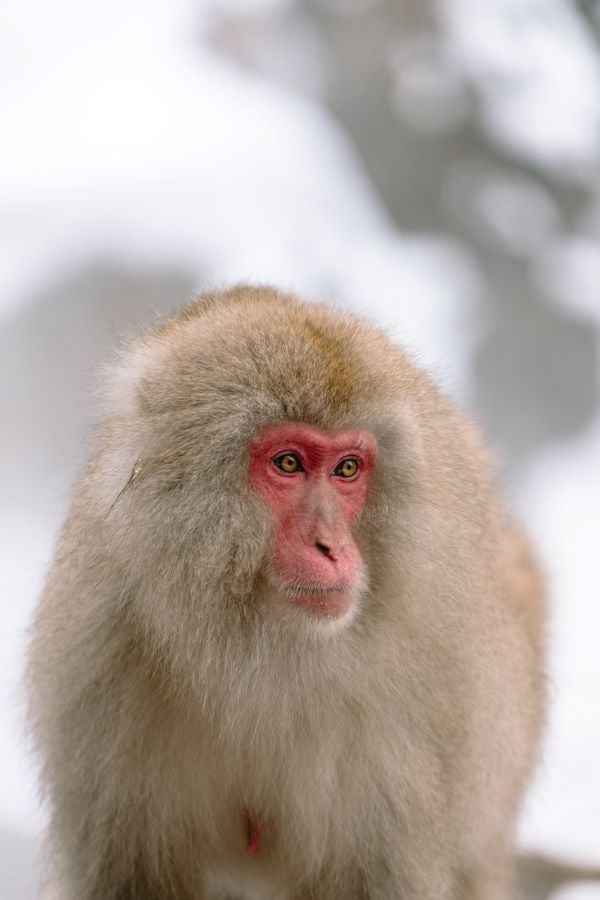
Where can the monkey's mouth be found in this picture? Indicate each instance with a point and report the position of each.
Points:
(331, 601)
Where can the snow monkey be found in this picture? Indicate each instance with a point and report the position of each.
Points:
(290, 646)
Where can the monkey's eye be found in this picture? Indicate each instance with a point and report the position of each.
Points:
(288, 463)
(347, 468)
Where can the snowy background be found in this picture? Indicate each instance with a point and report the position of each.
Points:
(432, 163)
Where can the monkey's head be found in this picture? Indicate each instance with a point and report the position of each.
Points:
(260, 453)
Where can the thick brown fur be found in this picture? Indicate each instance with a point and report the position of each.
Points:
(386, 759)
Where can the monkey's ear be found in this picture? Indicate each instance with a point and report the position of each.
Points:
(165, 464)
(138, 467)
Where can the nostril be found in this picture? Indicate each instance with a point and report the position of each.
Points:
(323, 548)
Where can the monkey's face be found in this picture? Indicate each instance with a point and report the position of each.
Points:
(315, 484)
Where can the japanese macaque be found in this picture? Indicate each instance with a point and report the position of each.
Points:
(291, 646)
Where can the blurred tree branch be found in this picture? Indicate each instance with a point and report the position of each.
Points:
(419, 122)
(590, 12)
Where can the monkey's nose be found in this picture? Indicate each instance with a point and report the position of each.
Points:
(325, 550)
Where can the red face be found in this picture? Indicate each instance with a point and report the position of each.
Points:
(315, 484)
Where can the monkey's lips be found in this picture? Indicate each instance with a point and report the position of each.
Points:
(331, 602)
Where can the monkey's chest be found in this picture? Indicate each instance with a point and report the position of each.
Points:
(243, 884)
(245, 866)
(257, 855)
(265, 817)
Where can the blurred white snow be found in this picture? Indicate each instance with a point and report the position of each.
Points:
(127, 138)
